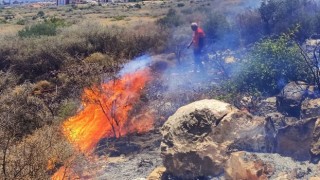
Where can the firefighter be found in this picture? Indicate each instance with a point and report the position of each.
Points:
(198, 44)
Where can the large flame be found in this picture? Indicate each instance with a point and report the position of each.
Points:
(107, 112)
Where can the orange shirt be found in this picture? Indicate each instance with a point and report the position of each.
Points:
(199, 33)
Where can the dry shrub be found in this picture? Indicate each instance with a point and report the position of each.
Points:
(95, 58)
(7, 79)
(36, 58)
(42, 86)
(21, 113)
(35, 157)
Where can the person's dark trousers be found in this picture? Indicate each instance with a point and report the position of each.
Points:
(197, 52)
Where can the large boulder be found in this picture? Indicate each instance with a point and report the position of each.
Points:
(199, 137)
(290, 99)
(294, 140)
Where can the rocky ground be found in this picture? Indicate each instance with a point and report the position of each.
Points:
(213, 140)
(133, 166)
(295, 169)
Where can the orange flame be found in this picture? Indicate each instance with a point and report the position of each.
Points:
(106, 113)
(64, 173)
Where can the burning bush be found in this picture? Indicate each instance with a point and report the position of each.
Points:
(106, 112)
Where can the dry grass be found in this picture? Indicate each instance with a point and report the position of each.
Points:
(10, 29)
(105, 15)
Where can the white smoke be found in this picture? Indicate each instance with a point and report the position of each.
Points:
(135, 65)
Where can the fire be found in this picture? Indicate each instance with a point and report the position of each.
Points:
(64, 173)
(107, 112)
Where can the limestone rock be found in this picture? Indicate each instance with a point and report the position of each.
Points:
(252, 166)
(278, 120)
(267, 106)
(310, 108)
(242, 165)
(290, 99)
(199, 137)
(157, 173)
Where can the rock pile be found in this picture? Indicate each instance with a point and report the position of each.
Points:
(204, 138)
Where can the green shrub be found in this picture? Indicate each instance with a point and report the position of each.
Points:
(46, 28)
(172, 19)
(180, 4)
(40, 14)
(215, 27)
(280, 15)
(119, 18)
(9, 16)
(137, 6)
(41, 29)
(270, 65)
(3, 21)
(21, 22)
(58, 22)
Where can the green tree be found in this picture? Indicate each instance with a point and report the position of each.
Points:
(271, 64)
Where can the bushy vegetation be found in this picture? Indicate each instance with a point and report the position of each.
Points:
(46, 28)
(172, 19)
(270, 65)
(216, 27)
(273, 17)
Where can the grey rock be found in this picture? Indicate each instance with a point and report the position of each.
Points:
(290, 98)
(295, 140)
(310, 108)
(278, 120)
(267, 106)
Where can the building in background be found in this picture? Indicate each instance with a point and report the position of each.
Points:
(65, 2)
